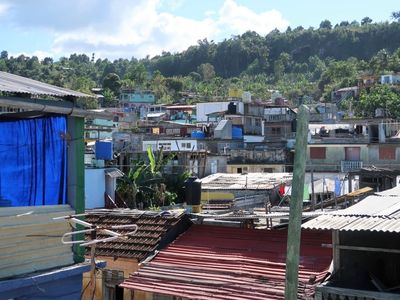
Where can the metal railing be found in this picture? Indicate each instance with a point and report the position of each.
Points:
(350, 165)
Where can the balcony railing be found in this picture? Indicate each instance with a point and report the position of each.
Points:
(351, 165)
(336, 293)
(278, 118)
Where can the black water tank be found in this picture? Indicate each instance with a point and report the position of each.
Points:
(231, 108)
(192, 191)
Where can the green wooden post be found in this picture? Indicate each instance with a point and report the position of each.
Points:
(76, 175)
(80, 178)
(296, 205)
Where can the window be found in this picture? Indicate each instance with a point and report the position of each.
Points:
(268, 170)
(258, 122)
(352, 153)
(276, 130)
(165, 146)
(387, 153)
(318, 153)
(186, 145)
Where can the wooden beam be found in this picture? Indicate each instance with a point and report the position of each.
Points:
(357, 248)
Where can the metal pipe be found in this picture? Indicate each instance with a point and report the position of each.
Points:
(57, 109)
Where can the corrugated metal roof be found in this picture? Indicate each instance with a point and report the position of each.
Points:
(17, 84)
(249, 181)
(152, 228)
(380, 212)
(114, 172)
(373, 206)
(213, 262)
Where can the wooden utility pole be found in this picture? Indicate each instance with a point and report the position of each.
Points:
(296, 205)
(313, 202)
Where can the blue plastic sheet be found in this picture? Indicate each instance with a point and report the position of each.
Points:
(33, 157)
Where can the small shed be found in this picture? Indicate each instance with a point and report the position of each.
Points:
(366, 253)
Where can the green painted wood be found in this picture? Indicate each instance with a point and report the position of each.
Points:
(80, 180)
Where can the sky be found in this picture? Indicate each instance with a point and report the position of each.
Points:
(137, 28)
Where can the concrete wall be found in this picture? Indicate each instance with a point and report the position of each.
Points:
(171, 145)
(334, 155)
(61, 284)
(95, 186)
(215, 163)
(255, 168)
(373, 156)
(202, 109)
(126, 265)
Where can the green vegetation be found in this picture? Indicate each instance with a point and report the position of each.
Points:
(146, 184)
(298, 62)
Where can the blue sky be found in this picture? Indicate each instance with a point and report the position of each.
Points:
(126, 28)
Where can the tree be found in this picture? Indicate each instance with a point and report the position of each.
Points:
(112, 82)
(382, 96)
(146, 182)
(366, 21)
(174, 84)
(396, 16)
(110, 100)
(326, 24)
(138, 74)
(206, 71)
(4, 54)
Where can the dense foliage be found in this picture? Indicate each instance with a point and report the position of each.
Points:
(146, 184)
(299, 63)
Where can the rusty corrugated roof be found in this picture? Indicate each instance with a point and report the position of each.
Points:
(17, 84)
(152, 228)
(211, 262)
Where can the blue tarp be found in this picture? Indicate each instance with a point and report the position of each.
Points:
(33, 157)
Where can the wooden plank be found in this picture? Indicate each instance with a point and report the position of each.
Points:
(14, 211)
(32, 242)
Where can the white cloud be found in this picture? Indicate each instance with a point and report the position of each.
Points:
(239, 19)
(126, 28)
(3, 8)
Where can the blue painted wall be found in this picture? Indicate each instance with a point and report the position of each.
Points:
(61, 284)
(137, 97)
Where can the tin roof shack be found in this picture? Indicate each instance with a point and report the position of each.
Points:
(156, 231)
(41, 177)
(379, 179)
(247, 190)
(212, 262)
(366, 254)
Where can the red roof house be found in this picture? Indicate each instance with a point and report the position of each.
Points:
(212, 262)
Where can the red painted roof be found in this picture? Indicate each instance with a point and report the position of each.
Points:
(212, 262)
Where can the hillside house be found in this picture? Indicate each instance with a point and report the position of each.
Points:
(390, 79)
(41, 177)
(351, 146)
(136, 100)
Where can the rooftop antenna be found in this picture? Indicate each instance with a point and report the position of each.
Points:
(93, 230)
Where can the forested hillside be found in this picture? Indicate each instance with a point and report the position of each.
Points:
(298, 62)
